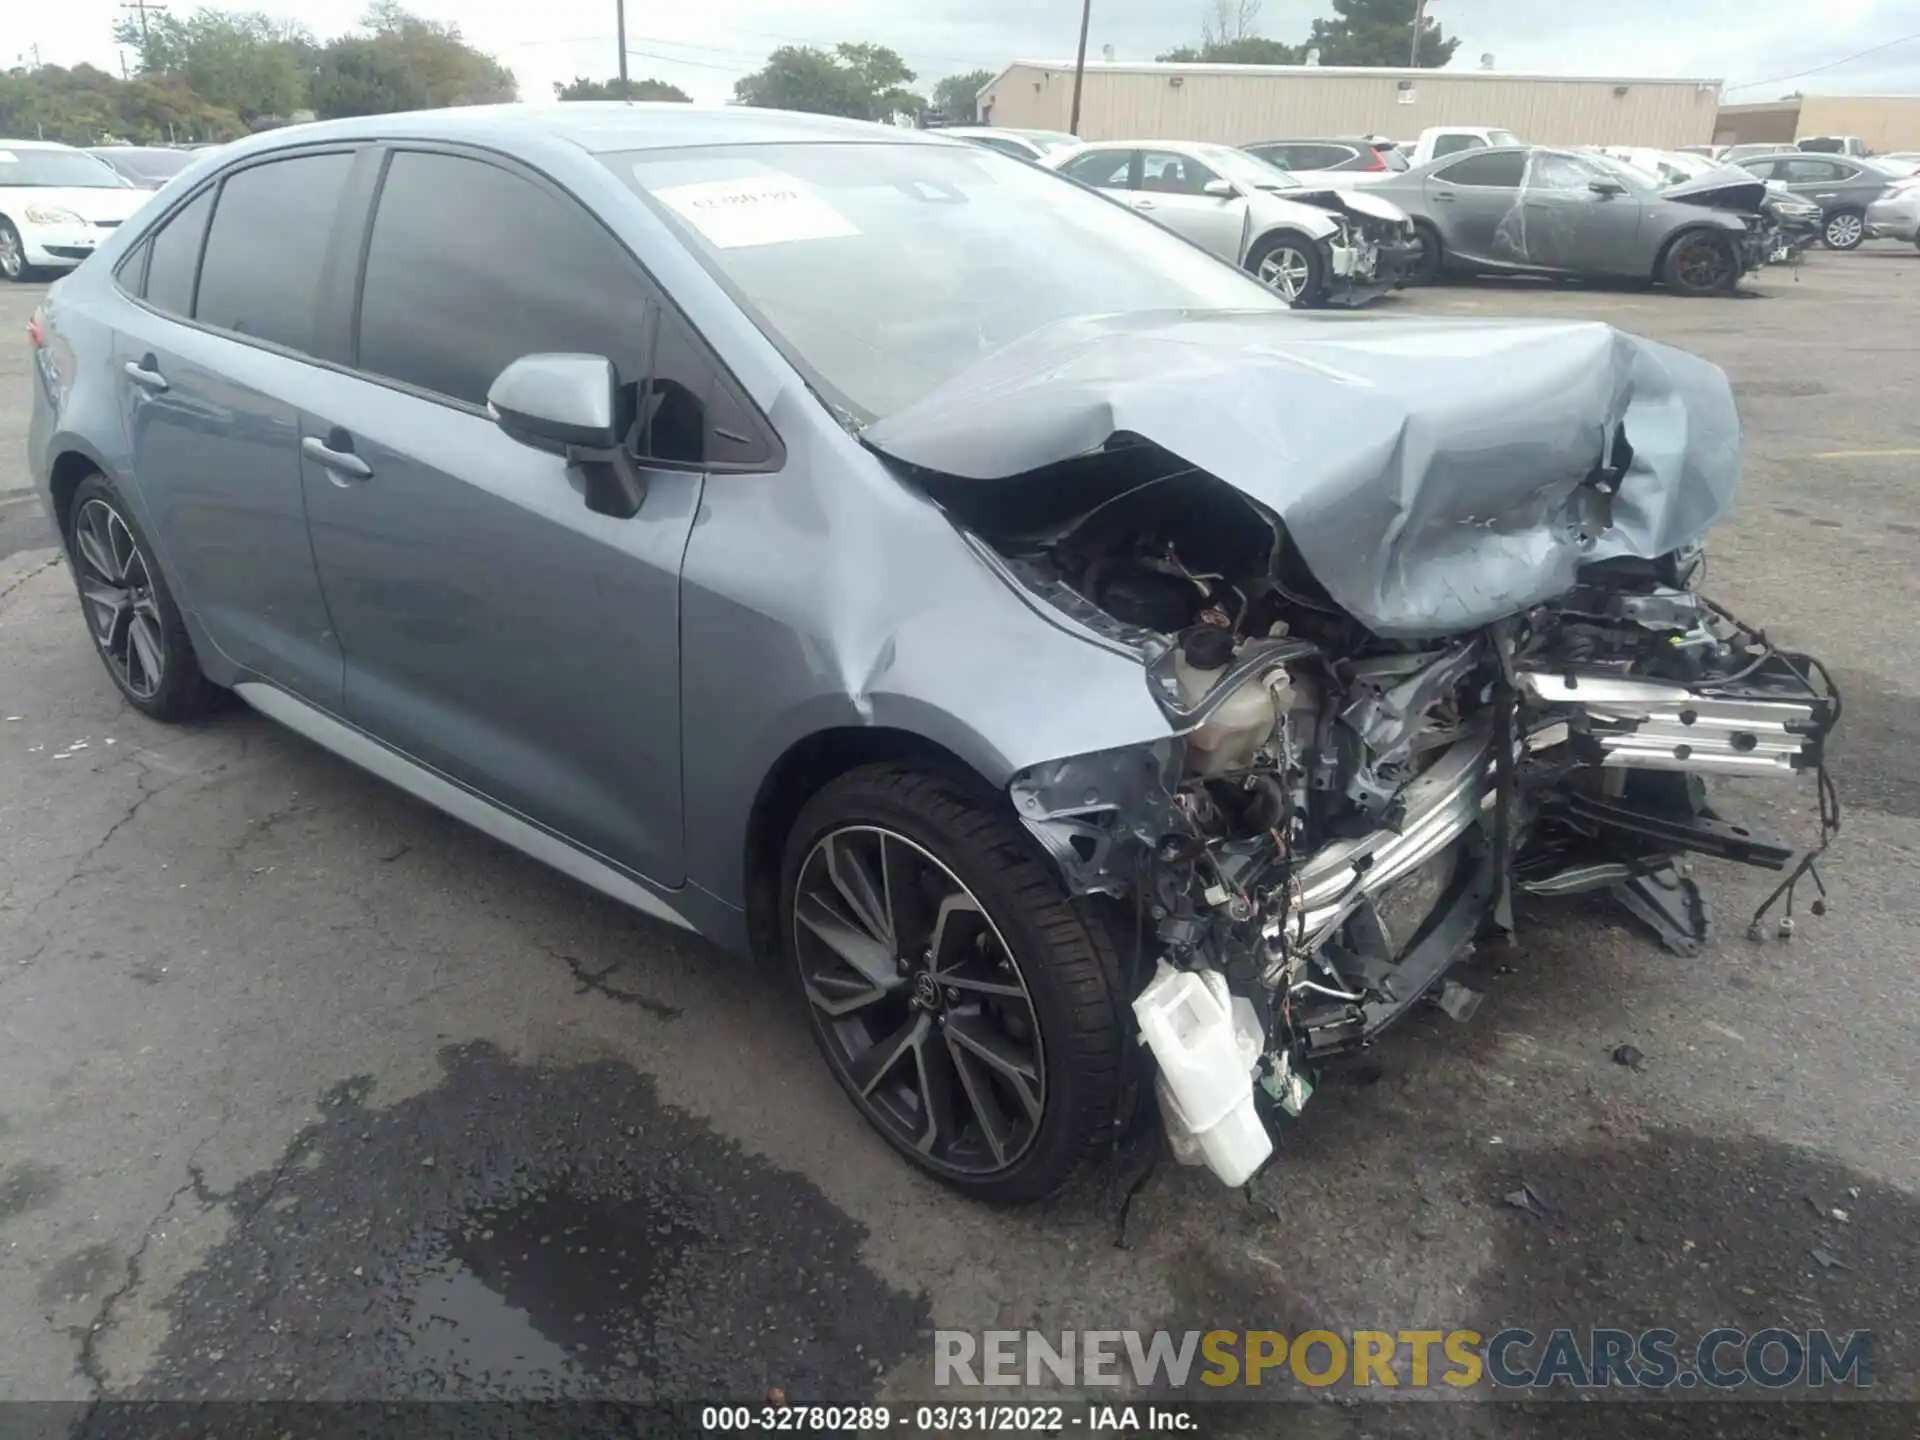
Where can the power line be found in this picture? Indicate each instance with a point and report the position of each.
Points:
(1830, 65)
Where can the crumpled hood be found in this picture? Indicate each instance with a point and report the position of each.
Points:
(1729, 185)
(1373, 206)
(1436, 475)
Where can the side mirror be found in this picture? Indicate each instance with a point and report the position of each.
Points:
(558, 402)
(1221, 189)
(572, 405)
(1606, 189)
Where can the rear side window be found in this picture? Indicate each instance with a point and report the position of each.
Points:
(175, 257)
(1502, 170)
(1324, 157)
(471, 266)
(268, 243)
(1452, 144)
(1104, 168)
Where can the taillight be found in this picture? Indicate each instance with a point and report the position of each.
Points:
(1374, 161)
(37, 328)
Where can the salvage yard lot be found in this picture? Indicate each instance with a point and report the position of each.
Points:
(306, 1090)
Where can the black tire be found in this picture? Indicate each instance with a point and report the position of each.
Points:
(1700, 262)
(1852, 225)
(181, 690)
(1061, 953)
(1313, 289)
(13, 254)
(1431, 264)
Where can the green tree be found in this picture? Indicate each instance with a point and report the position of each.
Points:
(242, 61)
(582, 89)
(957, 96)
(1378, 32)
(404, 62)
(863, 82)
(1252, 50)
(85, 106)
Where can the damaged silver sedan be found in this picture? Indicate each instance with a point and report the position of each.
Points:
(1086, 678)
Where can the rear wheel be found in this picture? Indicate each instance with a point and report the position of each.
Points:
(1292, 267)
(1700, 263)
(1431, 260)
(964, 1002)
(1844, 230)
(131, 614)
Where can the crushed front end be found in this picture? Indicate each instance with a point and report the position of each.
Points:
(1418, 604)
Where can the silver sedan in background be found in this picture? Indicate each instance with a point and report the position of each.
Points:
(1314, 246)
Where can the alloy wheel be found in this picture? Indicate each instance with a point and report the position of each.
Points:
(1286, 271)
(1704, 265)
(117, 588)
(13, 262)
(1844, 231)
(919, 1000)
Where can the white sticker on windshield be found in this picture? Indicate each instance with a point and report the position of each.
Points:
(7, 157)
(735, 213)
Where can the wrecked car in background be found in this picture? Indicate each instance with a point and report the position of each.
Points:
(1312, 245)
(1533, 211)
(875, 554)
(1796, 224)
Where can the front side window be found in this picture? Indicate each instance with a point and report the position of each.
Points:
(1106, 169)
(1172, 174)
(267, 246)
(882, 270)
(1502, 170)
(470, 266)
(1813, 172)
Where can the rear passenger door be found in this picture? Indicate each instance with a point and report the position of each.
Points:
(494, 627)
(215, 352)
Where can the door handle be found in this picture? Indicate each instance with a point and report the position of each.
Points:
(143, 372)
(1827, 195)
(1446, 195)
(336, 459)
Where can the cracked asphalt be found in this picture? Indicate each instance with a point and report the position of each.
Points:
(307, 1092)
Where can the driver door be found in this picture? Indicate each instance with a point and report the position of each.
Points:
(494, 628)
(1572, 228)
(1172, 188)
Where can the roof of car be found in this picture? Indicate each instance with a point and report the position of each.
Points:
(1317, 140)
(600, 126)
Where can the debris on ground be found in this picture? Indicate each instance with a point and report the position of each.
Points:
(1528, 1199)
(1828, 1260)
(1628, 1056)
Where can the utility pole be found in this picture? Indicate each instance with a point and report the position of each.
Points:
(1080, 65)
(620, 19)
(142, 7)
(1419, 15)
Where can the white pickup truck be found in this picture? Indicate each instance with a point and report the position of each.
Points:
(1438, 140)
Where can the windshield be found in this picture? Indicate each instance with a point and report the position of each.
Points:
(1244, 169)
(883, 270)
(65, 169)
(1631, 175)
(1898, 169)
(1049, 139)
(153, 164)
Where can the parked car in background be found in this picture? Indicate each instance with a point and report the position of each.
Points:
(1734, 154)
(1359, 158)
(1021, 144)
(146, 166)
(1437, 141)
(1901, 167)
(1712, 152)
(1842, 187)
(1797, 222)
(1835, 145)
(1896, 214)
(1312, 246)
(883, 558)
(1533, 210)
(57, 204)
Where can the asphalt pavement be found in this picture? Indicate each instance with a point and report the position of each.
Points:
(308, 1092)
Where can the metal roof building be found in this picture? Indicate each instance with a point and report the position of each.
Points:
(1235, 104)
(1885, 122)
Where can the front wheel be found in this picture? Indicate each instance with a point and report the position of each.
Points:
(1845, 229)
(964, 1002)
(13, 253)
(1292, 267)
(1701, 263)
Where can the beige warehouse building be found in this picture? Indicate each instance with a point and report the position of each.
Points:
(1884, 122)
(1235, 104)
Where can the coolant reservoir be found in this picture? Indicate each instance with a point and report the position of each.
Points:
(1244, 721)
(1206, 1071)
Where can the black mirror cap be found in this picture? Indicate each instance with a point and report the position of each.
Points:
(559, 402)
(1600, 185)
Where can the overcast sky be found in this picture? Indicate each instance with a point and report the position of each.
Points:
(703, 47)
